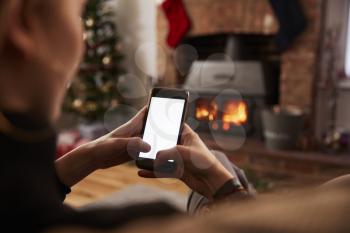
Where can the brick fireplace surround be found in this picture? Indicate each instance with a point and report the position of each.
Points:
(256, 17)
(298, 76)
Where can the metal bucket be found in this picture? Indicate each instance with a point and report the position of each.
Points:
(282, 128)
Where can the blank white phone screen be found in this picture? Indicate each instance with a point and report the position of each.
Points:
(162, 125)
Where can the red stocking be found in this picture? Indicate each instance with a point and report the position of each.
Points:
(179, 22)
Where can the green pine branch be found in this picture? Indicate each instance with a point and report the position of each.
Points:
(95, 91)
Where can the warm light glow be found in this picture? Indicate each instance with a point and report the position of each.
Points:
(226, 126)
(235, 113)
(215, 126)
(206, 110)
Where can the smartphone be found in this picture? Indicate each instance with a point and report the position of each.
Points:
(163, 125)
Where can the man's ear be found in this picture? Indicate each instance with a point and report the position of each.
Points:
(19, 29)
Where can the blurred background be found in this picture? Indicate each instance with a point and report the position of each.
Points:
(269, 84)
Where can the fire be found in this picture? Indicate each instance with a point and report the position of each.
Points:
(206, 110)
(235, 113)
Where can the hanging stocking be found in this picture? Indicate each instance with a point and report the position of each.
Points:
(179, 22)
(292, 21)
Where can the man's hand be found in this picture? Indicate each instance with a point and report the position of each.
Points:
(120, 146)
(113, 149)
(196, 166)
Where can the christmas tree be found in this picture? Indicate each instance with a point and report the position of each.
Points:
(95, 90)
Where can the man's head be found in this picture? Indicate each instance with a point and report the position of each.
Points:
(41, 43)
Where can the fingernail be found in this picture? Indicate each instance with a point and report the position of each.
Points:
(146, 146)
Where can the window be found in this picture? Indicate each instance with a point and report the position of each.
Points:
(347, 56)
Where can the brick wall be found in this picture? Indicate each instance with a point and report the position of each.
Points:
(254, 16)
(299, 64)
(238, 16)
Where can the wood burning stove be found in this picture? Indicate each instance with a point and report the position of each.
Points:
(228, 92)
(227, 97)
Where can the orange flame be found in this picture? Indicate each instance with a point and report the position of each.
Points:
(206, 110)
(235, 113)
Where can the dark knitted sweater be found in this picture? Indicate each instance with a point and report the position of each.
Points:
(31, 195)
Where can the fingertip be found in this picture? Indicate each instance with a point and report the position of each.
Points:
(161, 154)
(144, 146)
(147, 147)
(187, 129)
(139, 141)
(140, 173)
(146, 150)
(137, 145)
(146, 174)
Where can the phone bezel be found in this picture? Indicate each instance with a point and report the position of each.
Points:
(148, 164)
